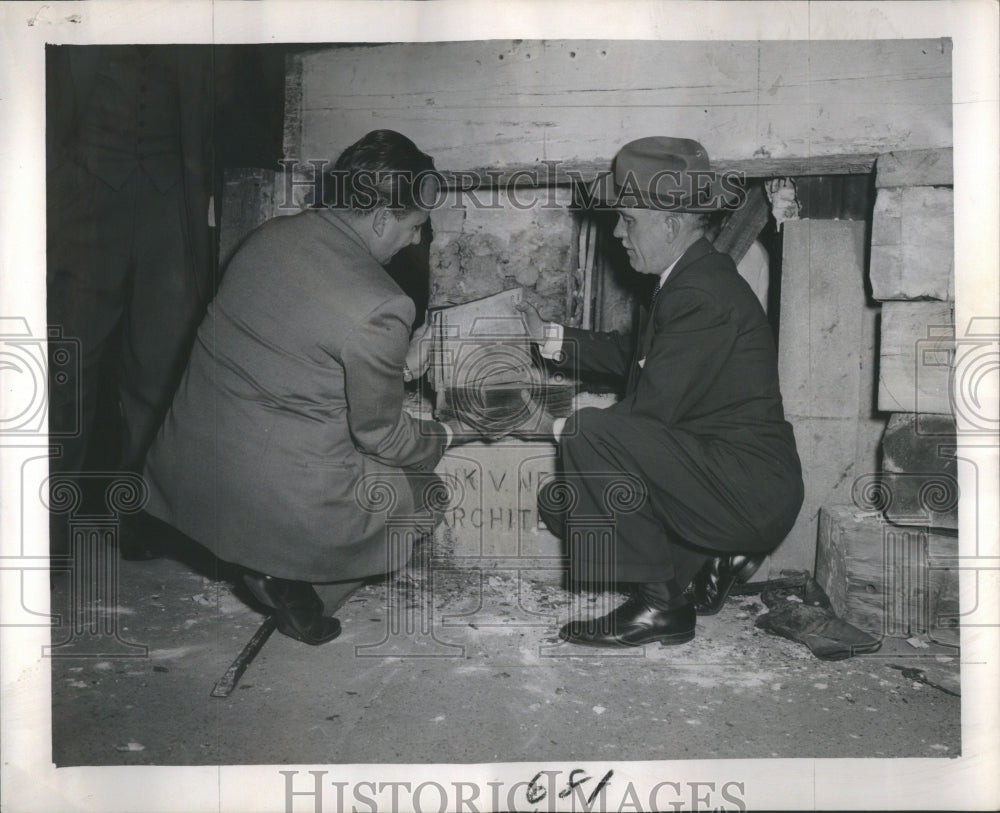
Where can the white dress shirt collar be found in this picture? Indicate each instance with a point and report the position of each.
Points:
(665, 274)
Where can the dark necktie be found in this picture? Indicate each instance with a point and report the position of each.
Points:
(647, 326)
(643, 340)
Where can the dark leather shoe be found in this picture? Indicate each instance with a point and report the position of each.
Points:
(297, 608)
(714, 581)
(634, 623)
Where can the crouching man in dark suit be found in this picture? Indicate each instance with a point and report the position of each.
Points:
(287, 444)
(700, 430)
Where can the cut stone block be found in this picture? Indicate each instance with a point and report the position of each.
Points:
(492, 523)
(916, 356)
(922, 500)
(887, 579)
(915, 168)
(915, 445)
(920, 471)
(826, 360)
(913, 245)
(494, 514)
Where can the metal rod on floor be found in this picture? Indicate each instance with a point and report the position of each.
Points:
(228, 681)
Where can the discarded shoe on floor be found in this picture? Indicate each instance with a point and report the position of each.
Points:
(804, 615)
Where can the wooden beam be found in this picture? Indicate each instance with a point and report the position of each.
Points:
(743, 226)
(566, 173)
(292, 129)
(841, 164)
(247, 201)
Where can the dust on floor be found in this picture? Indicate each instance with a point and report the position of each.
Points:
(465, 666)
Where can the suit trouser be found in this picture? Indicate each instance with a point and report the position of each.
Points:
(430, 495)
(120, 258)
(612, 470)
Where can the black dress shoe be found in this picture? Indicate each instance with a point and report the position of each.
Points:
(297, 608)
(714, 581)
(635, 623)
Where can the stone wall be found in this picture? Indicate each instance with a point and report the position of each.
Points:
(912, 273)
(888, 560)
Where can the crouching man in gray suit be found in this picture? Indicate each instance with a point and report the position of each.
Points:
(290, 409)
(700, 431)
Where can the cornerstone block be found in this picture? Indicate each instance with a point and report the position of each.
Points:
(495, 511)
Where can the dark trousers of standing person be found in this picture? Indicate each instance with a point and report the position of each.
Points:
(121, 267)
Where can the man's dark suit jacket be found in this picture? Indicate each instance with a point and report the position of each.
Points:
(702, 410)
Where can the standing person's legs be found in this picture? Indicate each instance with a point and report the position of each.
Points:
(167, 297)
(88, 228)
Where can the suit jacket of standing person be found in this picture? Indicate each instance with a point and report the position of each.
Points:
(706, 366)
(291, 402)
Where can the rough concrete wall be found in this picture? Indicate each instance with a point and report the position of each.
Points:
(502, 102)
(479, 250)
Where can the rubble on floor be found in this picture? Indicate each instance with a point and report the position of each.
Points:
(449, 665)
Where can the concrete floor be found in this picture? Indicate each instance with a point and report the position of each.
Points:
(465, 666)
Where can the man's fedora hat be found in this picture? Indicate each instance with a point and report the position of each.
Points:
(660, 172)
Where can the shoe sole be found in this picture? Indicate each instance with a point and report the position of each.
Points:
(663, 640)
(679, 638)
(287, 627)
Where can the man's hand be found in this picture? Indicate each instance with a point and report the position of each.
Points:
(462, 432)
(534, 322)
(418, 356)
